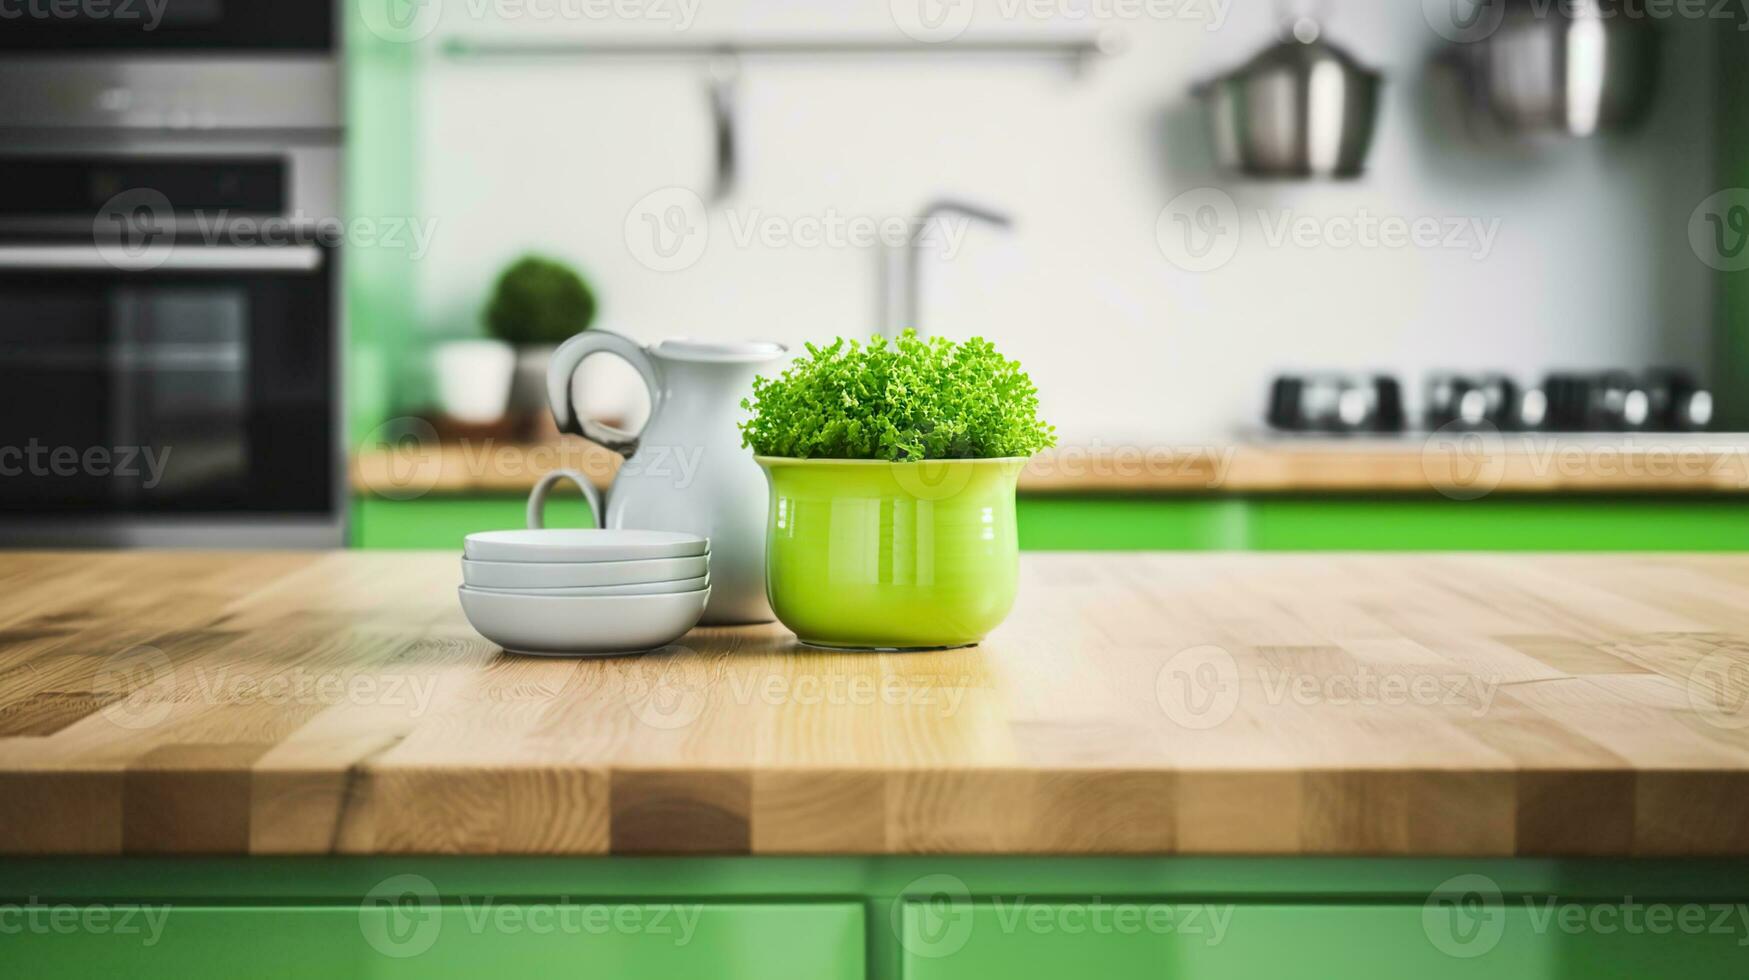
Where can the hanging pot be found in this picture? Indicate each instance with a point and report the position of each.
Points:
(1575, 68)
(1302, 108)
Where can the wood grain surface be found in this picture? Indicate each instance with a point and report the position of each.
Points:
(1456, 465)
(186, 703)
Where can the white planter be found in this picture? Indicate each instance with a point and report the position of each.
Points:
(473, 379)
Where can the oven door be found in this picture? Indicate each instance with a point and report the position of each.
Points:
(190, 403)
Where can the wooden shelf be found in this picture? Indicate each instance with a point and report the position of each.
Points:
(1677, 464)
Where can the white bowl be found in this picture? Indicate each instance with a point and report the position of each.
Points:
(581, 545)
(519, 576)
(635, 588)
(557, 626)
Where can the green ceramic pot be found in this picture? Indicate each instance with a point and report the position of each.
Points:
(875, 555)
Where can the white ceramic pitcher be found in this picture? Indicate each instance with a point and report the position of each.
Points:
(686, 470)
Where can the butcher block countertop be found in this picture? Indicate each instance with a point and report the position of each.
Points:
(1460, 466)
(319, 703)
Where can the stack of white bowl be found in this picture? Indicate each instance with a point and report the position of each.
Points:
(584, 592)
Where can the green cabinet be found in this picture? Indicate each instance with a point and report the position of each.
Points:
(443, 521)
(413, 935)
(152, 940)
(1504, 523)
(1213, 940)
(1182, 523)
(916, 917)
(1396, 523)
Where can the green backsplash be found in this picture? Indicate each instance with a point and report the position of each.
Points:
(381, 183)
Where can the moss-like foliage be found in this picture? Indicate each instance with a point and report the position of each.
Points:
(904, 401)
(539, 301)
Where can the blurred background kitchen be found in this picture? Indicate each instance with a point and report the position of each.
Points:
(1356, 274)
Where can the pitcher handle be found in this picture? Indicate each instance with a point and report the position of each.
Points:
(564, 364)
(537, 500)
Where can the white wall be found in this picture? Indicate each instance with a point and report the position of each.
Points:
(1591, 265)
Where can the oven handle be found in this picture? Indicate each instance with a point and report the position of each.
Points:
(234, 258)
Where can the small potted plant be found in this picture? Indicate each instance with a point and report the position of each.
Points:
(892, 468)
(537, 304)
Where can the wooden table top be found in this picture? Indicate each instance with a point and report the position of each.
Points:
(271, 703)
(1456, 465)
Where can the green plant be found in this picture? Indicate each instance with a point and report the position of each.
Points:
(908, 400)
(539, 301)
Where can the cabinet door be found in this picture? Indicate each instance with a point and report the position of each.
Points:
(1215, 941)
(461, 938)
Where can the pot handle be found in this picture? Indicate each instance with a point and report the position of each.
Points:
(564, 364)
(537, 500)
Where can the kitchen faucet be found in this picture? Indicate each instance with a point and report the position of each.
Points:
(899, 295)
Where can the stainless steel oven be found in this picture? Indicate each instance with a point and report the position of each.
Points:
(156, 26)
(170, 258)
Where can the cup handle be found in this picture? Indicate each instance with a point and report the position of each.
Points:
(537, 500)
(564, 364)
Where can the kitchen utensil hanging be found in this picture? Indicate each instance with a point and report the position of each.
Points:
(1301, 108)
(723, 60)
(1576, 68)
(724, 72)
